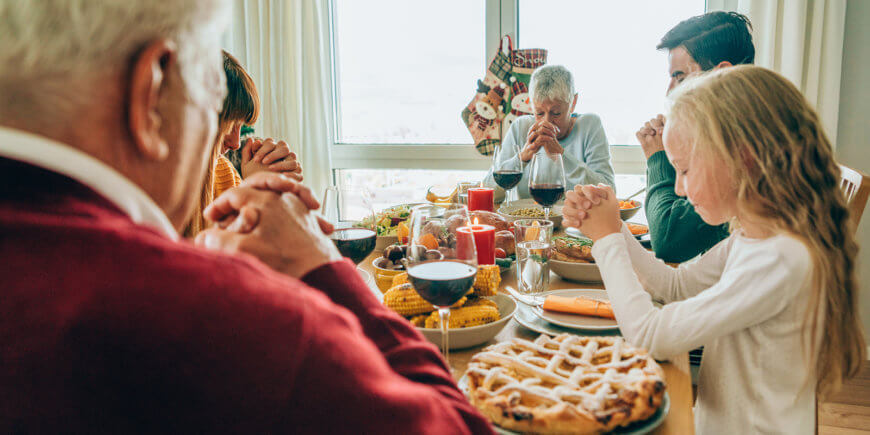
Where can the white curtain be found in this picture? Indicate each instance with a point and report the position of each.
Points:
(802, 40)
(284, 45)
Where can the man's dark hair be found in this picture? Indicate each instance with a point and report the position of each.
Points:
(713, 38)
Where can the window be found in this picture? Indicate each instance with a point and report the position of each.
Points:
(609, 46)
(397, 186)
(403, 71)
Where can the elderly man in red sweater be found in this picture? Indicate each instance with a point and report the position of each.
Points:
(109, 323)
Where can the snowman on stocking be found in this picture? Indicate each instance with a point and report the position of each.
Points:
(521, 104)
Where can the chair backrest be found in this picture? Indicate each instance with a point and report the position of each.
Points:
(856, 187)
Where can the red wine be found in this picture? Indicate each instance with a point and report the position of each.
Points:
(442, 283)
(354, 243)
(547, 194)
(507, 179)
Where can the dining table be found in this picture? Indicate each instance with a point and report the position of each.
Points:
(680, 419)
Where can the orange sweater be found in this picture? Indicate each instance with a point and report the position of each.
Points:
(225, 176)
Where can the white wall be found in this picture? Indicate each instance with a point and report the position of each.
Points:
(853, 137)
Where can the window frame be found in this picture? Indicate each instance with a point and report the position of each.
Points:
(502, 18)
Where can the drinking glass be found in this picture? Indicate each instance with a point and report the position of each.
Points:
(349, 210)
(462, 190)
(547, 180)
(534, 245)
(441, 259)
(507, 169)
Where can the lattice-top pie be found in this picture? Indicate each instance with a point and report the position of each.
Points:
(565, 384)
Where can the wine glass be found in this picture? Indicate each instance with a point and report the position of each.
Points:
(507, 169)
(442, 258)
(547, 180)
(349, 210)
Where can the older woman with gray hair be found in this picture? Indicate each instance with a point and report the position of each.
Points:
(555, 128)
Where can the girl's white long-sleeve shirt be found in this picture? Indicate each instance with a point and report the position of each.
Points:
(745, 302)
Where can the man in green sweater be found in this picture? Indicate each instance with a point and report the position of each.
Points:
(701, 43)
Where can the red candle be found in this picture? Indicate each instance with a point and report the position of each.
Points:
(484, 240)
(480, 198)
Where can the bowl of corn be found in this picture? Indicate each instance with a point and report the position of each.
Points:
(529, 209)
(470, 336)
(474, 320)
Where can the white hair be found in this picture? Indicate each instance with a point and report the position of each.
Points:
(552, 82)
(52, 49)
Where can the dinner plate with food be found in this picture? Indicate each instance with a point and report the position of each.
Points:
(638, 230)
(567, 384)
(584, 309)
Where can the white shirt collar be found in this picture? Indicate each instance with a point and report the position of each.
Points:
(57, 157)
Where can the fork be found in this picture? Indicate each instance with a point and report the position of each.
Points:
(531, 301)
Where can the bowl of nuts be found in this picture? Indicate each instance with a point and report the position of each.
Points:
(529, 209)
(392, 263)
(389, 265)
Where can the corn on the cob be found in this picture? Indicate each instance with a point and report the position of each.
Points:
(405, 301)
(465, 317)
(487, 280)
(480, 302)
(400, 279)
(419, 320)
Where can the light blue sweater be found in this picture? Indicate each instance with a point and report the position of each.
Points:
(586, 153)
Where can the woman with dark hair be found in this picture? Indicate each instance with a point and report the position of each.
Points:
(241, 108)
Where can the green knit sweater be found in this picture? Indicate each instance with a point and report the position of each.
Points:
(677, 232)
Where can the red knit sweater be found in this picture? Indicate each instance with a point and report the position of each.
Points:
(109, 326)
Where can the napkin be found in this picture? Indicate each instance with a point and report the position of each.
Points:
(579, 305)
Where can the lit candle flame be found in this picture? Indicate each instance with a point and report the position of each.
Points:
(475, 221)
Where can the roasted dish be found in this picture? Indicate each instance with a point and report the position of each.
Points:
(572, 249)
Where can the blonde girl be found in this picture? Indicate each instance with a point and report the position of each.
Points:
(774, 305)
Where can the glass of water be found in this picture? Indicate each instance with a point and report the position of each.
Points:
(534, 244)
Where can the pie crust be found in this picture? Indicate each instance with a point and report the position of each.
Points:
(565, 384)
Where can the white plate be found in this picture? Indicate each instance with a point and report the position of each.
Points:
(577, 321)
(527, 318)
(366, 276)
(574, 232)
(637, 428)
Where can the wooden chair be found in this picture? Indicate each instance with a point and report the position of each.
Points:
(856, 187)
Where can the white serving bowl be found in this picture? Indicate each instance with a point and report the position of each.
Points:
(462, 338)
(555, 211)
(580, 272)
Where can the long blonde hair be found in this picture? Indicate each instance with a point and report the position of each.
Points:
(766, 133)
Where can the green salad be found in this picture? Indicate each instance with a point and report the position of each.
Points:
(388, 220)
